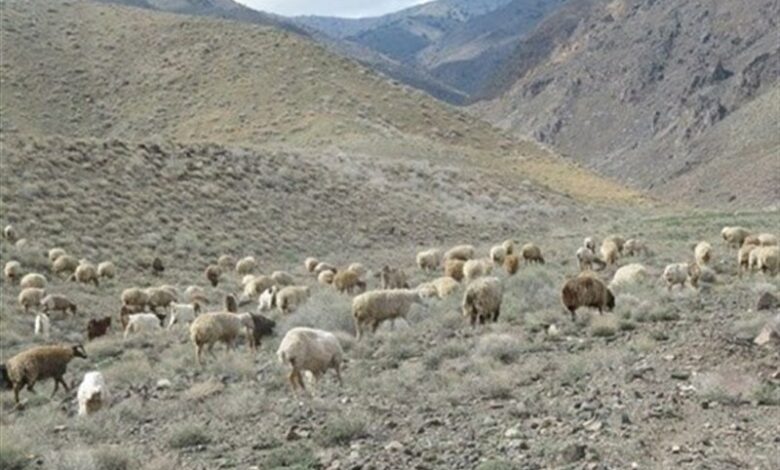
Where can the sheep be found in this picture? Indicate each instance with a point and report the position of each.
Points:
(157, 266)
(766, 259)
(39, 363)
(531, 253)
(263, 326)
(586, 259)
(267, 300)
(393, 278)
(42, 325)
(323, 266)
(511, 264)
(135, 298)
(106, 269)
(634, 246)
(53, 302)
(482, 300)
(309, 349)
(9, 233)
(160, 297)
(231, 305)
(767, 239)
(454, 268)
(618, 240)
(751, 240)
(734, 236)
(33, 280)
(311, 264)
(348, 281)
(183, 313)
(12, 270)
(247, 279)
(679, 273)
(743, 257)
(497, 254)
(374, 307)
(475, 268)
(509, 246)
(282, 278)
(703, 253)
(92, 393)
(213, 327)
(257, 286)
(246, 265)
(30, 297)
(461, 252)
(290, 297)
(358, 269)
(213, 273)
(326, 277)
(194, 294)
(441, 287)
(55, 253)
(590, 244)
(98, 327)
(226, 262)
(609, 252)
(141, 323)
(586, 290)
(428, 260)
(628, 274)
(85, 272)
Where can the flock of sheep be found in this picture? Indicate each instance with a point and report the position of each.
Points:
(317, 351)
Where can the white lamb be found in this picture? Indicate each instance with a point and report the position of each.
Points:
(141, 323)
(312, 350)
(92, 394)
(183, 313)
(42, 325)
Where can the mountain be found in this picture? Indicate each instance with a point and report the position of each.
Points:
(672, 97)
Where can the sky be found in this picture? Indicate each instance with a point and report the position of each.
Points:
(340, 8)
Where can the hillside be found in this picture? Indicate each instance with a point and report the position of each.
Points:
(646, 92)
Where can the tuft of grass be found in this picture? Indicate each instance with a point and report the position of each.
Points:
(12, 457)
(767, 394)
(113, 458)
(341, 430)
(188, 435)
(434, 357)
(503, 348)
(603, 326)
(498, 465)
(296, 456)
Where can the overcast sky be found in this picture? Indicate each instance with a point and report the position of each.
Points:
(341, 8)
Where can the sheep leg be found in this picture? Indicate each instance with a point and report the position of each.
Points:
(62, 381)
(358, 329)
(199, 353)
(56, 387)
(17, 388)
(375, 325)
(337, 368)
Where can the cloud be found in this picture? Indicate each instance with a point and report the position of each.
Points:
(339, 8)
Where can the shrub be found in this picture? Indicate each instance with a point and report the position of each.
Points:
(341, 430)
(188, 435)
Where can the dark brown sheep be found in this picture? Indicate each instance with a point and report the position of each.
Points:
(213, 272)
(511, 264)
(586, 290)
(454, 269)
(157, 267)
(263, 327)
(39, 363)
(98, 327)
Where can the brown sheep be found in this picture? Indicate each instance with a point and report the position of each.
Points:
(586, 290)
(98, 327)
(454, 269)
(230, 303)
(212, 273)
(531, 253)
(347, 281)
(157, 267)
(38, 363)
(393, 278)
(511, 264)
(58, 302)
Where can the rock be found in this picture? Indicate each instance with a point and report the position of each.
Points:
(293, 434)
(394, 446)
(767, 301)
(770, 331)
(163, 384)
(573, 453)
(681, 375)
(512, 433)
(676, 449)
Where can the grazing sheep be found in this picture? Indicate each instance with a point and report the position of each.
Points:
(30, 297)
(267, 300)
(194, 294)
(247, 279)
(92, 394)
(55, 253)
(618, 241)
(441, 286)
(53, 302)
(157, 267)
(258, 285)
(12, 270)
(9, 233)
(461, 252)
(309, 349)
(213, 327)
(497, 254)
(509, 247)
(454, 268)
(97, 327)
(374, 307)
(590, 244)
(531, 253)
(230, 303)
(765, 259)
(511, 264)
(703, 253)
(679, 273)
(311, 264)
(482, 300)
(429, 260)
(348, 281)
(475, 268)
(33, 280)
(106, 269)
(767, 239)
(609, 252)
(39, 363)
(183, 313)
(324, 267)
(246, 265)
(290, 298)
(586, 259)
(142, 323)
(393, 278)
(42, 325)
(326, 277)
(226, 262)
(586, 290)
(751, 240)
(161, 297)
(629, 274)
(135, 298)
(213, 274)
(358, 269)
(743, 257)
(734, 236)
(263, 326)
(85, 273)
(282, 278)
(634, 247)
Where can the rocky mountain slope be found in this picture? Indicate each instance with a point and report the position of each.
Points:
(671, 97)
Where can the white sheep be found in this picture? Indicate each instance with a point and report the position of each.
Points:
(429, 260)
(30, 297)
(267, 300)
(509, 247)
(587, 258)
(55, 253)
(767, 239)
(678, 273)
(257, 285)
(246, 265)
(358, 269)
(312, 350)
(326, 277)
(9, 233)
(226, 262)
(461, 252)
(374, 307)
(183, 313)
(134, 298)
(42, 325)
(482, 300)
(194, 294)
(497, 254)
(92, 394)
(634, 247)
(282, 278)
(142, 323)
(213, 327)
(703, 253)
(629, 274)
(85, 272)
(106, 269)
(609, 251)
(33, 280)
(290, 298)
(12, 270)
(161, 297)
(247, 279)
(311, 264)
(734, 236)
(590, 244)
(475, 268)
(766, 259)
(441, 287)
(323, 266)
